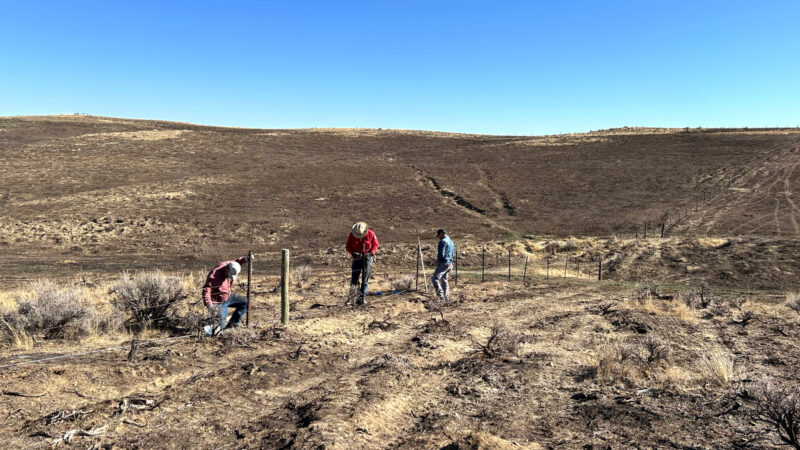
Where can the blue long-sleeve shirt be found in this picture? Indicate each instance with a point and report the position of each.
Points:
(445, 252)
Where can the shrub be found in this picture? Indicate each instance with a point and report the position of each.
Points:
(52, 310)
(106, 321)
(239, 336)
(632, 361)
(147, 297)
(779, 406)
(403, 283)
(301, 274)
(793, 302)
(656, 350)
(502, 341)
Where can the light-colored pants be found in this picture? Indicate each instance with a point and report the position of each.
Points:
(439, 279)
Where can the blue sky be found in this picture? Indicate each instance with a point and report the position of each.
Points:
(521, 67)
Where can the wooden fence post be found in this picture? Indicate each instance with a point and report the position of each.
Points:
(285, 286)
(645, 230)
(509, 264)
(249, 275)
(600, 269)
(566, 259)
(483, 265)
(525, 270)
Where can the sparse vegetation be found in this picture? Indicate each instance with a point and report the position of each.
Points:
(402, 284)
(717, 368)
(502, 341)
(147, 297)
(50, 311)
(240, 336)
(779, 407)
(301, 274)
(793, 302)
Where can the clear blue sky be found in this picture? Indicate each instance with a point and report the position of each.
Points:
(521, 67)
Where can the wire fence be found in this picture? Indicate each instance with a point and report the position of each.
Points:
(508, 262)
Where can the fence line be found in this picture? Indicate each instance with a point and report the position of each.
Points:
(75, 355)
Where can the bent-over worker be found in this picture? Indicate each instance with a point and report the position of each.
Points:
(362, 245)
(218, 295)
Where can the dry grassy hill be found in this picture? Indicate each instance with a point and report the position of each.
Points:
(690, 341)
(102, 192)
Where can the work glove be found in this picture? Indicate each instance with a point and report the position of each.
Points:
(213, 310)
(250, 258)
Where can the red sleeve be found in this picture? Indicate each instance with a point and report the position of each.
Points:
(350, 243)
(241, 260)
(375, 244)
(209, 285)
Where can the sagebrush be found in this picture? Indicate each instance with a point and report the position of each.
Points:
(147, 297)
(50, 310)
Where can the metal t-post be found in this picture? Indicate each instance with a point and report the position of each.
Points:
(249, 276)
(285, 286)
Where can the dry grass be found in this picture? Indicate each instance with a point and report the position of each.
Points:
(793, 302)
(502, 341)
(301, 275)
(717, 369)
(404, 283)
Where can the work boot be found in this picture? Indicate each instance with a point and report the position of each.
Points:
(361, 301)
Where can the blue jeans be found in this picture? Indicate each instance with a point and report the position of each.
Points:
(361, 269)
(236, 301)
(439, 279)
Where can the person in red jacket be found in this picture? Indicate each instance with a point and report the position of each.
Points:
(218, 296)
(362, 245)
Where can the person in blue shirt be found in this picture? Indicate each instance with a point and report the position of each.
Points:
(444, 264)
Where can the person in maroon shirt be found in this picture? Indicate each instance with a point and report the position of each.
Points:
(362, 245)
(218, 295)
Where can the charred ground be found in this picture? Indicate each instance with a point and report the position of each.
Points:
(667, 351)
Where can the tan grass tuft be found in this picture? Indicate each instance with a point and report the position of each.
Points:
(717, 368)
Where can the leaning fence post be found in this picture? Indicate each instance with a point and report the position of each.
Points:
(525, 270)
(416, 279)
(422, 261)
(285, 286)
(249, 275)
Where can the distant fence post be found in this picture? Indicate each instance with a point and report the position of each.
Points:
(455, 279)
(525, 270)
(422, 262)
(600, 269)
(509, 264)
(645, 230)
(566, 260)
(285, 286)
(547, 267)
(416, 279)
(483, 265)
(249, 276)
